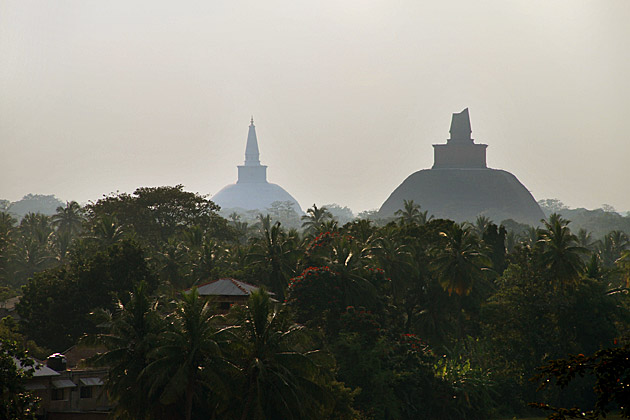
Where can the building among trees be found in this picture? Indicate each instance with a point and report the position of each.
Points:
(461, 187)
(226, 292)
(252, 191)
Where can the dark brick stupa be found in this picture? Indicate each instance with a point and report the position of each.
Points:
(461, 187)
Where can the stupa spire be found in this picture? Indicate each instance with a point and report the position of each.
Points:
(460, 151)
(252, 170)
(252, 155)
(460, 127)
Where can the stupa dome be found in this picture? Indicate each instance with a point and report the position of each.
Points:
(461, 187)
(252, 191)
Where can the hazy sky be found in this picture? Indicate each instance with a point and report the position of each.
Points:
(347, 96)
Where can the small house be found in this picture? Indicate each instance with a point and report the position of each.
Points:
(226, 292)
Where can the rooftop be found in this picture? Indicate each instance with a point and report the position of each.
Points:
(226, 287)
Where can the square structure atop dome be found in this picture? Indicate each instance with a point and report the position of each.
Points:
(460, 151)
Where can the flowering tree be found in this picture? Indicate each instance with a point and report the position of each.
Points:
(315, 291)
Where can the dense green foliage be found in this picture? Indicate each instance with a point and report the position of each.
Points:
(56, 303)
(15, 367)
(415, 318)
(610, 368)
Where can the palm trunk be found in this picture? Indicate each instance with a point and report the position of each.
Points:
(189, 401)
(250, 397)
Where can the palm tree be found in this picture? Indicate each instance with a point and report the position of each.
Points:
(131, 333)
(240, 227)
(204, 255)
(348, 259)
(7, 229)
(362, 230)
(236, 257)
(481, 224)
(68, 219)
(411, 214)
(274, 251)
(185, 362)
(620, 239)
(193, 238)
(531, 236)
(585, 239)
(206, 261)
(37, 227)
(106, 230)
(459, 263)
(593, 268)
(7, 223)
(623, 263)
(611, 246)
(328, 226)
(561, 255)
(284, 378)
(28, 256)
(62, 240)
(511, 239)
(394, 257)
(31, 249)
(171, 261)
(314, 218)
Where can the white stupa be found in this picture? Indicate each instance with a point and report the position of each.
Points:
(252, 191)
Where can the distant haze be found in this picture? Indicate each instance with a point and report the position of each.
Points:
(347, 96)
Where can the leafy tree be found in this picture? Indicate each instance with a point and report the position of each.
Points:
(598, 221)
(527, 322)
(56, 303)
(609, 367)
(368, 215)
(316, 296)
(285, 213)
(35, 203)
(15, 367)
(341, 214)
(551, 205)
(397, 373)
(159, 213)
